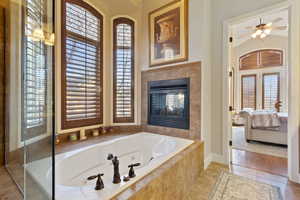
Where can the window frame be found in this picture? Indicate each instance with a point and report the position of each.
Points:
(255, 89)
(130, 22)
(82, 122)
(263, 87)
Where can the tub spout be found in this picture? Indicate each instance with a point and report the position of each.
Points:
(115, 162)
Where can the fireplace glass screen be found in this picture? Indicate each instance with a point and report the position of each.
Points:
(169, 103)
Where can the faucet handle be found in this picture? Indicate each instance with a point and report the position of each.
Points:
(134, 165)
(131, 173)
(99, 183)
(110, 156)
(93, 177)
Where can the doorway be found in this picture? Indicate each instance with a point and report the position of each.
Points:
(258, 91)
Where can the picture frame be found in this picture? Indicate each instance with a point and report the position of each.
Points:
(168, 34)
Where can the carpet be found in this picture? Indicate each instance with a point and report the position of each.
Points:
(239, 142)
(233, 187)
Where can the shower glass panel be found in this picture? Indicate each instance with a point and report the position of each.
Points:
(30, 97)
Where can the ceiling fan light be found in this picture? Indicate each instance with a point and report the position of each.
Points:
(254, 35)
(258, 32)
(263, 35)
(267, 31)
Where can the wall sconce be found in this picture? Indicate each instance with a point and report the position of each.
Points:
(39, 35)
(50, 40)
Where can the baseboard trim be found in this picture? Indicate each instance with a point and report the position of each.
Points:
(207, 161)
(213, 157)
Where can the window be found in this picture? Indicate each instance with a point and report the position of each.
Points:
(271, 88)
(261, 59)
(82, 63)
(123, 87)
(249, 91)
(34, 70)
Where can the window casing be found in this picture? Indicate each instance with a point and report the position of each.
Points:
(248, 92)
(82, 65)
(123, 76)
(271, 90)
(34, 70)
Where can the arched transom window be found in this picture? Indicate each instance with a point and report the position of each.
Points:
(261, 59)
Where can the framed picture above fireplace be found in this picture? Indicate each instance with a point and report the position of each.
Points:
(168, 33)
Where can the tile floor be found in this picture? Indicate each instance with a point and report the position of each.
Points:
(205, 184)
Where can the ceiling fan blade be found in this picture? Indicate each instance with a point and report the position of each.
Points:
(280, 27)
(245, 35)
(269, 24)
(277, 20)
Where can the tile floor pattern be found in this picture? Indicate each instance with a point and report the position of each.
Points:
(200, 191)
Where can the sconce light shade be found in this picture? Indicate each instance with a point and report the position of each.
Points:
(50, 40)
(37, 35)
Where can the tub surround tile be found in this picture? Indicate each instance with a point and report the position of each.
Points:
(189, 70)
(172, 180)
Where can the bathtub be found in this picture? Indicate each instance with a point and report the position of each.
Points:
(73, 168)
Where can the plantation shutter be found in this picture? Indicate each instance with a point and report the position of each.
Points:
(249, 91)
(82, 65)
(249, 61)
(34, 72)
(261, 59)
(271, 58)
(271, 88)
(123, 90)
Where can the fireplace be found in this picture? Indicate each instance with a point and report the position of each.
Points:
(169, 104)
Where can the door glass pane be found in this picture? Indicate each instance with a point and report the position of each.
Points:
(270, 91)
(249, 91)
(30, 95)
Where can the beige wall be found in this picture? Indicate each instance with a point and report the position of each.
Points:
(270, 42)
(109, 9)
(199, 50)
(223, 10)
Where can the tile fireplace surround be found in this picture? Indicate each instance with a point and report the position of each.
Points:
(189, 70)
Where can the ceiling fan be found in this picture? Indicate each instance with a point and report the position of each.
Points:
(262, 30)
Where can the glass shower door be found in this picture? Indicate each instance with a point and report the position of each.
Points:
(30, 98)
